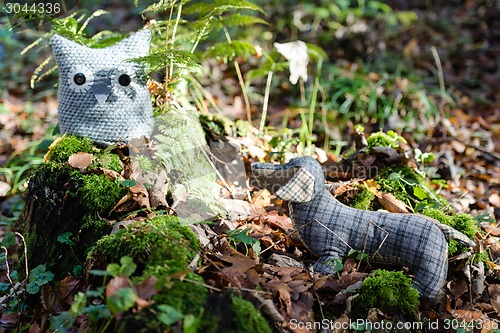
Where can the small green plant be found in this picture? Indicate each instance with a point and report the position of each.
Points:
(391, 292)
(381, 139)
(237, 236)
(38, 277)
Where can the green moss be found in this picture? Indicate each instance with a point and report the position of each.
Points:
(188, 297)
(100, 194)
(145, 163)
(461, 222)
(391, 292)
(465, 223)
(158, 242)
(108, 161)
(230, 313)
(67, 146)
(364, 199)
(381, 139)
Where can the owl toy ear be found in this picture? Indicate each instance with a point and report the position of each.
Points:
(136, 45)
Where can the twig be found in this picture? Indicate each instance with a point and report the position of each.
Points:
(287, 235)
(383, 240)
(331, 231)
(25, 258)
(7, 266)
(364, 245)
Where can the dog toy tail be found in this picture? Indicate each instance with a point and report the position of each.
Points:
(450, 233)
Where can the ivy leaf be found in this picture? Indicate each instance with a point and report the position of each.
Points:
(420, 193)
(62, 322)
(97, 312)
(127, 267)
(122, 300)
(128, 183)
(169, 315)
(64, 238)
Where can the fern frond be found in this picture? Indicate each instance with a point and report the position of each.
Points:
(220, 7)
(37, 71)
(227, 52)
(160, 6)
(95, 14)
(239, 20)
(263, 70)
(160, 59)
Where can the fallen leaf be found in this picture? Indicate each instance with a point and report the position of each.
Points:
(391, 203)
(494, 199)
(68, 287)
(468, 315)
(116, 284)
(491, 228)
(80, 160)
(51, 300)
(457, 288)
(275, 220)
(283, 291)
(146, 289)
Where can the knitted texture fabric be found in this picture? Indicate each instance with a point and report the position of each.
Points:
(330, 229)
(102, 95)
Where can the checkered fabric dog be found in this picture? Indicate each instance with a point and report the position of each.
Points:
(330, 229)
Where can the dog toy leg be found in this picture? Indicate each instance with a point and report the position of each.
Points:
(325, 264)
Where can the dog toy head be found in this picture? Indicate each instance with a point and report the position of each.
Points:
(297, 181)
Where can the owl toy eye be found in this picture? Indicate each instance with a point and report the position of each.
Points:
(124, 80)
(121, 78)
(80, 79)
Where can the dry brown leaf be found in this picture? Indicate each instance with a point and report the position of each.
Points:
(240, 265)
(34, 328)
(51, 300)
(491, 228)
(116, 284)
(494, 199)
(494, 290)
(282, 222)
(262, 198)
(240, 209)
(140, 195)
(489, 326)
(341, 324)
(391, 203)
(457, 288)
(495, 303)
(110, 174)
(157, 198)
(283, 291)
(146, 289)
(298, 287)
(467, 315)
(68, 287)
(80, 160)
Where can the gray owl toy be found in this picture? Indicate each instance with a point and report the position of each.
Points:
(102, 95)
(330, 229)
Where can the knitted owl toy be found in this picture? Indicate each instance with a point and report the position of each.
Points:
(330, 229)
(102, 95)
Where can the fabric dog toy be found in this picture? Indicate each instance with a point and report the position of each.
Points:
(102, 95)
(330, 229)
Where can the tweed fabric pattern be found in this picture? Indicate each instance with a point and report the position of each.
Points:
(418, 241)
(298, 189)
(102, 105)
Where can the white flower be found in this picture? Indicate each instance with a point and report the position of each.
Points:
(296, 54)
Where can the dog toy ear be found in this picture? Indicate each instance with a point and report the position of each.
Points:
(300, 188)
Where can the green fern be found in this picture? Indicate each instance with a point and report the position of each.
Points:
(227, 52)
